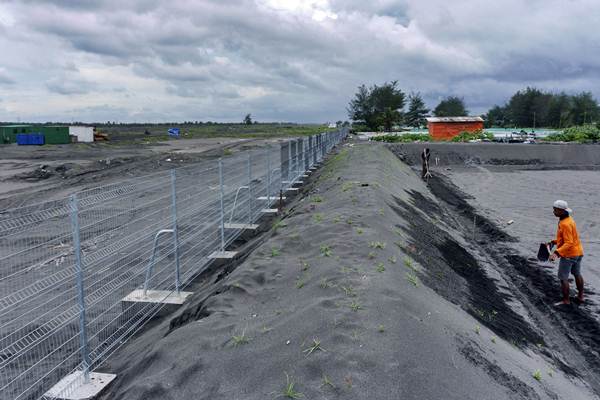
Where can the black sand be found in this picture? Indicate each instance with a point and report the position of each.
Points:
(385, 275)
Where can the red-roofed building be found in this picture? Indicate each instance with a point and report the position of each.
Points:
(445, 128)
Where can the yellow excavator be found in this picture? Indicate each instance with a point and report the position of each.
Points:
(99, 136)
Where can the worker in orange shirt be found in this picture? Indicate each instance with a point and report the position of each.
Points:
(569, 250)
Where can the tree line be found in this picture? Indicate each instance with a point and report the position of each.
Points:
(384, 106)
(536, 108)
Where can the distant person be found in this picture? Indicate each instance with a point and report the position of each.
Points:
(425, 163)
(569, 250)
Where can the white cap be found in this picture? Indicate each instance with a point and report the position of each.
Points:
(563, 205)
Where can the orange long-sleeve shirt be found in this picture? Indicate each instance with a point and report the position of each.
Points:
(567, 239)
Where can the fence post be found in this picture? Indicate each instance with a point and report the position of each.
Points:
(175, 233)
(268, 177)
(250, 198)
(222, 205)
(83, 340)
(290, 162)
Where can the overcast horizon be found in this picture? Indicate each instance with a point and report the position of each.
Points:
(282, 60)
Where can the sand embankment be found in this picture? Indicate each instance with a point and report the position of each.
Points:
(369, 287)
(573, 154)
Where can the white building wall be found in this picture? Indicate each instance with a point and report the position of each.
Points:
(83, 133)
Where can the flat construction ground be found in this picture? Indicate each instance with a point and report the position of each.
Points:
(374, 284)
(32, 174)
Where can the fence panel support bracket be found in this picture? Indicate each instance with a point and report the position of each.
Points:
(74, 387)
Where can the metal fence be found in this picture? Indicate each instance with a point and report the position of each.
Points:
(66, 266)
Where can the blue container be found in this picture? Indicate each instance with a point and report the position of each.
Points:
(24, 139)
(37, 139)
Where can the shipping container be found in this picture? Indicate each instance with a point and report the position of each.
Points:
(30, 139)
(84, 133)
(8, 133)
(56, 134)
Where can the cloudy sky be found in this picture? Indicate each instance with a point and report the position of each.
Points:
(282, 60)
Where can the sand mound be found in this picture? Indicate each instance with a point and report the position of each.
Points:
(368, 288)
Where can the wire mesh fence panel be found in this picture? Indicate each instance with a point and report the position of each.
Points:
(79, 276)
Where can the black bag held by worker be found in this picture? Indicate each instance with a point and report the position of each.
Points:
(544, 252)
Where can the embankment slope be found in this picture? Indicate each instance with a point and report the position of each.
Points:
(367, 288)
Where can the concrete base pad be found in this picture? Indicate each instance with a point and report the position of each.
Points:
(304, 176)
(157, 296)
(73, 387)
(292, 189)
(219, 255)
(270, 198)
(251, 227)
(269, 211)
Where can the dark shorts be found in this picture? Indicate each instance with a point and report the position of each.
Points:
(568, 266)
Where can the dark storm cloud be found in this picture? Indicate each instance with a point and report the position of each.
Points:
(295, 59)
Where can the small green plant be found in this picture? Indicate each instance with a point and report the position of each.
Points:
(355, 306)
(315, 345)
(279, 224)
(318, 218)
(371, 255)
(227, 152)
(381, 212)
(316, 199)
(493, 339)
(347, 186)
(304, 266)
(412, 278)
(239, 340)
(326, 250)
(537, 375)
(392, 259)
(300, 283)
(356, 335)
(381, 328)
(409, 264)
(275, 252)
(289, 391)
(349, 221)
(327, 382)
(265, 329)
(324, 283)
(345, 270)
(349, 291)
(477, 329)
(359, 231)
(348, 381)
(336, 219)
(380, 267)
(377, 245)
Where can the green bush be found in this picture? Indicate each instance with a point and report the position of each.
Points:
(581, 134)
(407, 137)
(467, 136)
